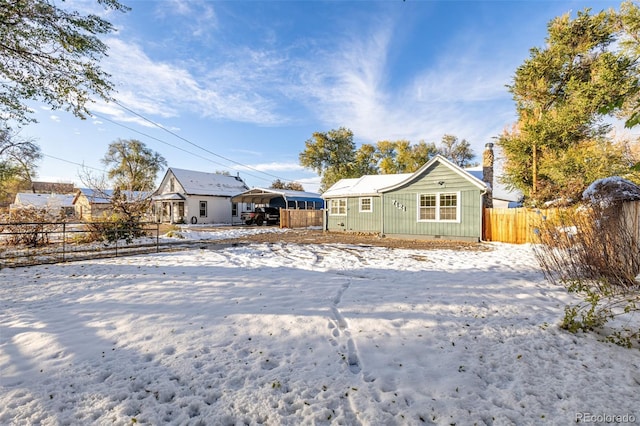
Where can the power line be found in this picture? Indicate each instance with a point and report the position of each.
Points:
(194, 144)
(74, 163)
(167, 143)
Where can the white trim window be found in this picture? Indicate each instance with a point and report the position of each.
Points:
(366, 205)
(203, 209)
(338, 207)
(439, 207)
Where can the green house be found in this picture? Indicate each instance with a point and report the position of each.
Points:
(440, 200)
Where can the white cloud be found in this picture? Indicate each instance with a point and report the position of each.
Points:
(163, 89)
(198, 17)
(462, 94)
(274, 167)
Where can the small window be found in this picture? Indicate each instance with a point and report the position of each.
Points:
(366, 205)
(172, 185)
(338, 207)
(203, 209)
(234, 209)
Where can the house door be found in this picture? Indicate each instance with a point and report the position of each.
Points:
(179, 212)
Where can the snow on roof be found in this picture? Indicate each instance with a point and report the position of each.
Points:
(373, 184)
(29, 199)
(203, 183)
(365, 185)
(104, 196)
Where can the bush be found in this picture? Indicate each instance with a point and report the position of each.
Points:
(28, 226)
(125, 222)
(594, 253)
(116, 227)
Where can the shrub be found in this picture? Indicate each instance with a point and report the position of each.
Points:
(125, 221)
(593, 251)
(28, 226)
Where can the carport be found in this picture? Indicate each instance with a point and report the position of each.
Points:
(282, 198)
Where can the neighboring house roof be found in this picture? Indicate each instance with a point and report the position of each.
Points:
(499, 190)
(263, 196)
(29, 199)
(104, 196)
(365, 185)
(376, 184)
(202, 183)
(52, 188)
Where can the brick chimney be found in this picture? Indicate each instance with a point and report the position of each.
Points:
(487, 173)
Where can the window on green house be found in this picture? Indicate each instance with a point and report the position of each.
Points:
(448, 207)
(427, 207)
(366, 205)
(443, 207)
(338, 207)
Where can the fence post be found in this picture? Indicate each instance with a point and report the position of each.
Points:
(157, 237)
(64, 240)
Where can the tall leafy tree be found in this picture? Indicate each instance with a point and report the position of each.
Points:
(18, 161)
(292, 186)
(456, 150)
(628, 26)
(51, 54)
(132, 166)
(330, 154)
(366, 162)
(403, 157)
(561, 93)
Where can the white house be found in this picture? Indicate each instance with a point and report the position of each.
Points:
(187, 196)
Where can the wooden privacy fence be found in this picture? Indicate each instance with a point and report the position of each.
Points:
(517, 226)
(300, 218)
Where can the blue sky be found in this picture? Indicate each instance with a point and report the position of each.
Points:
(246, 83)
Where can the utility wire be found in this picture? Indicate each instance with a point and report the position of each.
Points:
(74, 163)
(169, 144)
(194, 144)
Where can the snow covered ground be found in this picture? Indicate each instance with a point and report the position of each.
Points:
(303, 334)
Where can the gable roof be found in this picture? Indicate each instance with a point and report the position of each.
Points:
(203, 183)
(365, 185)
(376, 184)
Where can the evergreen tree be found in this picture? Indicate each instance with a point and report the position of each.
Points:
(561, 93)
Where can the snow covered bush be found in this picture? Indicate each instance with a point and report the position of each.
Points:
(594, 250)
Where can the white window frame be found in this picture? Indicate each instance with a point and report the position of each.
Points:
(370, 209)
(205, 204)
(337, 207)
(438, 207)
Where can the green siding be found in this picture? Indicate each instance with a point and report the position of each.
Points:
(355, 221)
(404, 221)
(399, 208)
